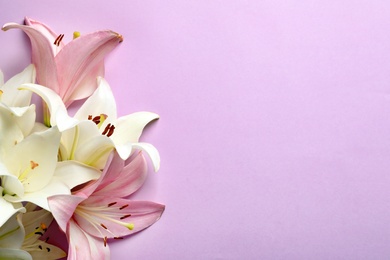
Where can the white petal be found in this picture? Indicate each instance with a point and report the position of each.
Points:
(54, 252)
(14, 254)
(10, 131)
(124, 150)
(129, 128)
(14, 97)
(8, 209)
(32, 220)
(73, 173)
(84, 143)
(151, 151)
(27, 119)
(102, 101)
(59, 115)
(11, 184)
(12, 233)
(40, 149)
(55, 187)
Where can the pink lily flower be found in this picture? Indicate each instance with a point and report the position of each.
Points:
(98, 212)
(68, 69)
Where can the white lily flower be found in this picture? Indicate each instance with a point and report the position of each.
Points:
(35, 225)
(19, 236)
(29, 172)
(100, 108)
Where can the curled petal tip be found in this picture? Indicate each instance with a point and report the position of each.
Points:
(6, 26)
(119, 36)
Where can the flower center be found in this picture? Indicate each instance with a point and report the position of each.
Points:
(31, 243)
(99, 120)
(110, 213)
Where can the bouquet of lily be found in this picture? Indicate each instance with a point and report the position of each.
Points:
(76, 169)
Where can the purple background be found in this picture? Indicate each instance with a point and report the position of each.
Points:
(274, 130)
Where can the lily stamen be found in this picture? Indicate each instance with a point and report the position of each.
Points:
(98, 120)
(109, 205)
(125, 216)
(33, 165)
(24, 175)
(106, 129)
(59, 39)
(124, 206)
(111, 131)
(41, 230)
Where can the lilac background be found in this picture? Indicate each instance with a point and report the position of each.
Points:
(274, 130)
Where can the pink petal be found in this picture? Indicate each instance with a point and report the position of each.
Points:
(111, 166)
(143, 214)
(128, 181)
(81, 56)
(63, 207)
(84, 246)
(88, 83)
(47, 32)
(42, 57)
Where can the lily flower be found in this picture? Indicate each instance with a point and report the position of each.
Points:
(98, 211)
(19, 236)
(35, 224)
(100, 109)
(68, 69)
(29, 172)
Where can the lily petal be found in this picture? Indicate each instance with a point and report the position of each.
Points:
(128, 181)
(41, 57)
(89, 82)
(59, 115)
(84, 246)
(48, 251)
(78, 58)
(46, 32)
(55, 187)
(11, 185)
(102, 101)
(112, 165)
(10, 131)
(62, 208)
(14, 97)
(129, 128)
(12, 233)
(14, 254)
(73, 173)
(32, 220)
(34, 167)
(8, 209)
(124, 218)
(151, 151)
(26, 121)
